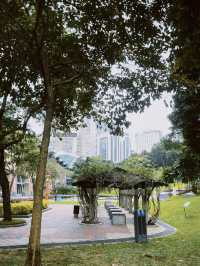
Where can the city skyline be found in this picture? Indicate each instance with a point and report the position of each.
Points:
(154, 117)
(92, 140)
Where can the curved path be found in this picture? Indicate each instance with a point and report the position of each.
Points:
(60, 227)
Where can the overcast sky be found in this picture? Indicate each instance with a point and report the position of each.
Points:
(153, 118)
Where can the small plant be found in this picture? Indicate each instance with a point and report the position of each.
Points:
(66, 190)
(22, 207)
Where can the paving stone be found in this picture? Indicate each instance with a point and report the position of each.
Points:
(59, 226)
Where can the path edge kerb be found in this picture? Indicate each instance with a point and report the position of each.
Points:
(169, 230)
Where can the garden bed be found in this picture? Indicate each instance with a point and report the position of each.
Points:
(13, 223)
(22, 209)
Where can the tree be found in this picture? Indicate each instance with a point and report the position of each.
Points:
(181, 22)
(189, 169)
(165, 154)
(22, 158)
(185, 121)
(92, 169)
(17, 97)
(71, 48)
(56, 172)
(185, 118)
(138, 164)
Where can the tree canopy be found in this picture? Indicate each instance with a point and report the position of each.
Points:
(165, 154)
(138, 164)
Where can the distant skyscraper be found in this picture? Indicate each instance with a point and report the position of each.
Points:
(92, 140)
(63, 143)
(110, 147)
(145, 141)
(86, 140)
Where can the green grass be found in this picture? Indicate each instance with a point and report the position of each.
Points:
(112, 192)
(180, 249)
(74, 202)
(71, 202)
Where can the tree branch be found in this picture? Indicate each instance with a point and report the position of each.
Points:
(67, 81)
(3, 106)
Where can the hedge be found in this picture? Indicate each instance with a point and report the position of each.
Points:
(22, 207)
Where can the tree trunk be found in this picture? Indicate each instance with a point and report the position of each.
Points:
(145, 204)
(33, 253)
(136, 200)
(120, 198)
(7, 215)
(88, 197)
(130, 203)
(12, 182)
(93, 207)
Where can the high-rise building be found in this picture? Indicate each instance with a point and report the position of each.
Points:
(86, 140)
(146, 140)
(92, 140)
(63, 143)
(110, 147)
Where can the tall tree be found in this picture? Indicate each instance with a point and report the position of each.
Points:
(71, 46)
(91, 170)
(181, 23)
(18, 91)
(138, 164)
(185, 117)
(166, 153)
(22, 158)
(185, 121)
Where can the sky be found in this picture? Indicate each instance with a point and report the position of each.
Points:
(153, 118)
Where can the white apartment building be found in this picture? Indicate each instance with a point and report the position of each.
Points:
(63, 143)
(146, 140)
(110, 147)
(92, 140)
(87, 140)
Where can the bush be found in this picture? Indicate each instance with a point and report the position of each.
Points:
(66, 190)
(22, 208)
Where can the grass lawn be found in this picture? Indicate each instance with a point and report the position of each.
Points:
(182, 248)
(71, 202)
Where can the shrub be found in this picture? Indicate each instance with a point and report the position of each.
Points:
(22, 207)
(66, 190)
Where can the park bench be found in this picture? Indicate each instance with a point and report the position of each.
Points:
(112, 210)
(115, 213)
(118, 218)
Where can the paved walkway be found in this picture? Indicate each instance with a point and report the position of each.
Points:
(59, 226)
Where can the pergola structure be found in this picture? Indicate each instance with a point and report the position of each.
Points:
(132, 187)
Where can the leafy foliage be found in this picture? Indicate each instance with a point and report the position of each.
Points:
(65, 190)
(189, 166)
(22, 208)
(185, 117)
(92, 168)
(23, 157)
(57, 173)
(139, 164)
(165, 154)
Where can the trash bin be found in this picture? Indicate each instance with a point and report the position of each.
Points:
(140, 226)
(76, 211)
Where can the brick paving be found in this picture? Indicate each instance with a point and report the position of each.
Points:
(59, 226)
